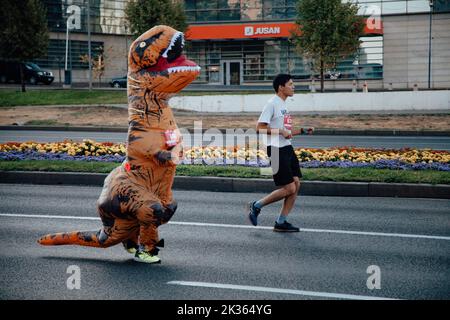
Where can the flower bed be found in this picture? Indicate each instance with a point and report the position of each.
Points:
(88, 150)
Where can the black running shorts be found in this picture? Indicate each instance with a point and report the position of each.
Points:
(285, 165)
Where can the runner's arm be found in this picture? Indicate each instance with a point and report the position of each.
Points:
(300, 131)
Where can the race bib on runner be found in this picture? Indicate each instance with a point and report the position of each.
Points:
(288, 122)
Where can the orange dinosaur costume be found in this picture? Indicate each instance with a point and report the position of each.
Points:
(137, 196)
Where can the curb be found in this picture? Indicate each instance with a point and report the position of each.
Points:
(218, 184)
(320, 132)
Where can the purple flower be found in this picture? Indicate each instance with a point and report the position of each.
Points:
(34, 155)
(254, 162)
(379, 164)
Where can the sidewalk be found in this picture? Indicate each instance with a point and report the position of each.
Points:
(218, 184)
(108, 117)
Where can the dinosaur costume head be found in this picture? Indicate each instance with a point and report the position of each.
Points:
(156, 59)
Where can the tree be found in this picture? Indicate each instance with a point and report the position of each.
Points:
(327, 31)
(24, 34)
(98, 61)
(145, 14)
(98, 65)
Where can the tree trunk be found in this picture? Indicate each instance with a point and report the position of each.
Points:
(22, 77)
(321, 75)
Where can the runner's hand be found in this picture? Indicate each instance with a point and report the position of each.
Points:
(286, 133)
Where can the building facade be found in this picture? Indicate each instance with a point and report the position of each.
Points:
(247, 42)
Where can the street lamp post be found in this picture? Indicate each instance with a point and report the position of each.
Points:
(89, 43)
(67, 72)
(429, 44)
(73, 22)
(58, 57)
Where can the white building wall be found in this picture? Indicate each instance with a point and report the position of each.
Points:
(115, 51)
(436, 100)
(406, 50)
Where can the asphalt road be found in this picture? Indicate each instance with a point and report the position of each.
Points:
(395, 142)
(213, 253)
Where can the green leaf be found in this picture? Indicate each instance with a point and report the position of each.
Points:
(145, 14)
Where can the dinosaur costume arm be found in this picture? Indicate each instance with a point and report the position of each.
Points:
(155, 147)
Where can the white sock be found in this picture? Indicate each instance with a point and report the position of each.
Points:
(281, 219)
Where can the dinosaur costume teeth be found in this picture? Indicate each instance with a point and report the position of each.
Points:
(176, 36)
(137, 196)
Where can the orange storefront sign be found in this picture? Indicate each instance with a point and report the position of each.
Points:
(257, 30)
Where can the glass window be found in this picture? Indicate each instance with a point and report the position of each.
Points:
(214, 57)
(229, 10)
(190, 10)
(253, 67)
(366, 64)
(418, 6)
(291, 9)
(272, 55)
(207, 10)
(391, 7)
(441, 6)
(189, 4)
(55, 18)
(106, 16)
(262, 60)
(370, 9)
(57, 49)
(251, 10)
(278, 9)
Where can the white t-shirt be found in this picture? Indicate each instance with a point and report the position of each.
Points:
(277, 116)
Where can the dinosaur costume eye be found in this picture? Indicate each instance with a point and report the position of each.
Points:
(142, 44)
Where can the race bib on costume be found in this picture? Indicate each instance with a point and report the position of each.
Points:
(171, 138)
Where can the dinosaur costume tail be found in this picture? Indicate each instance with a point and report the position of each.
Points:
(81, 238)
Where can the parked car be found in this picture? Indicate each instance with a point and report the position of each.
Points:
(10, 72)
(332, 74)
(118, 82)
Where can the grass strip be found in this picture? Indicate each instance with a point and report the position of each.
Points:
(11, 97)
(309, 174)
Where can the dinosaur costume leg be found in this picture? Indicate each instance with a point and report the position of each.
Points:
(116, 226)
(128, 211)
(141, 229)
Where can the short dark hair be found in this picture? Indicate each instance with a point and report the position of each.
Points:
(281, 80)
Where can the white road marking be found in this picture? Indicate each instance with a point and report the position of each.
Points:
(276, 290)
(237, 226)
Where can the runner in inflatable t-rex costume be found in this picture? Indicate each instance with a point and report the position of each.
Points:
(137, 196)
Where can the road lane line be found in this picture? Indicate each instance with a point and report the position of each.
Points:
(276, 290)
(363, 233)
(237, 226)
(381, 234)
